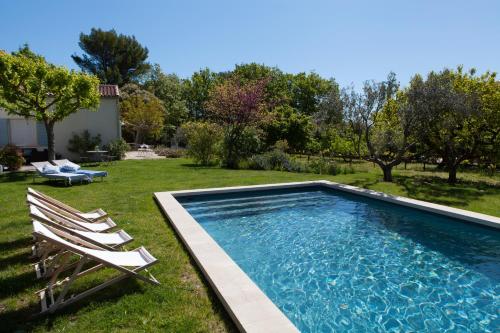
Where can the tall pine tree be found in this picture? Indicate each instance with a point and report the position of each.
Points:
(113, 58)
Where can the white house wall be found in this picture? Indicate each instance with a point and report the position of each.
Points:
(105, 121)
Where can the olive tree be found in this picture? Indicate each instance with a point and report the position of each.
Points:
(464, 115)
(33, 88)
(382, 118)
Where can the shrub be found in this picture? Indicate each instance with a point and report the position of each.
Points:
(117, 148)
(202, 141)
(80, 144)
(274, 160)
(169, 152)
(236, 149)
(11, 157)
(324, 167)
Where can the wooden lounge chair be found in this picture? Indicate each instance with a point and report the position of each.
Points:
(93, 215)
(68, 219)
(55, 174)
(75, 168)
(128, 264)
(110, 241)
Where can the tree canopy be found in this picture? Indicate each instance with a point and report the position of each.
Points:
(142, 112)
(113, 58)
(33, 88)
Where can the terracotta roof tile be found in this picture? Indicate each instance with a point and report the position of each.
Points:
(109, 90)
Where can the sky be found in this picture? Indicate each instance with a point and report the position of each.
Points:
(351, 41)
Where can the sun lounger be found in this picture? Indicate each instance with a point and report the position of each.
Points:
(128, 264)
(113, 241)
(47, 170)
(68, 166)
(70, 220)
(94, 215)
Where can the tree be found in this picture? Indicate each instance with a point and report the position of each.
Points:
(386, 121)
(197, 91)
(142, 112)
(32, 88)
(115, 59)
(278, 89)
(463, 111)
(236, 107)
(286, 123)
(168, 88)
(308, 91)
(203, 138)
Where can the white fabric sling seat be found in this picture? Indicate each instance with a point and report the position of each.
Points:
(94, 215)
(110, 241)
(70, 219)
(128, 264)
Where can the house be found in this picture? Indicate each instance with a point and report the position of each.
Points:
(30, 135)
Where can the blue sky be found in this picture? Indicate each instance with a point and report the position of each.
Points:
(351, 41)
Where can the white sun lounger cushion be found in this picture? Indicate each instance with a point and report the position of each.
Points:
(137, 258)
(96, 226)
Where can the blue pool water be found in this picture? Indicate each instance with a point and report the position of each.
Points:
(338, 262)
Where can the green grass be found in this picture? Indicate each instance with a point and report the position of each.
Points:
(183, 302)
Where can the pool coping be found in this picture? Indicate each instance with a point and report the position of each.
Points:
(246, 303)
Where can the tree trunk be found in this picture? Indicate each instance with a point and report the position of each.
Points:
(387, 173)
(452, 175)
(138, 137)
(49, 128)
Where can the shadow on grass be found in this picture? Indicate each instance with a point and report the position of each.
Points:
(18, 243)
(26, 318)
(435, 189)
(20, 258)
(215, 302)
(198, 166)
(15, 176)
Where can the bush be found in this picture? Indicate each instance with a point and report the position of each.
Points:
(274, 160)
(11, 157)
(203, 140)
(324, 167)
(169, 152)
(80, 144)
(117, 148)
(235, 149)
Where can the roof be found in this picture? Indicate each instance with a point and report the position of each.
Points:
(109, 90)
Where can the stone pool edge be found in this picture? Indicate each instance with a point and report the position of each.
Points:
(246, 303)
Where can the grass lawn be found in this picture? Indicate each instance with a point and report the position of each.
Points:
(182, 303)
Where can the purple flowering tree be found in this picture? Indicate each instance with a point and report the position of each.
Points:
(236, 107)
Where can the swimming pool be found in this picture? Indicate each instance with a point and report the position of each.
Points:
(337, 261)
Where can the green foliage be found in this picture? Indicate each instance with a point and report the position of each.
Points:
(115, 59)
(324, 166)
(80, 144)
(308, 90)
(203, 141)
(288, 124)
(169, 89)
(464, 115)
(197, 90)
(274, 160)
(11, 157)
(237, 108)
(32, 88)
(142, 113)
(117, 148)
